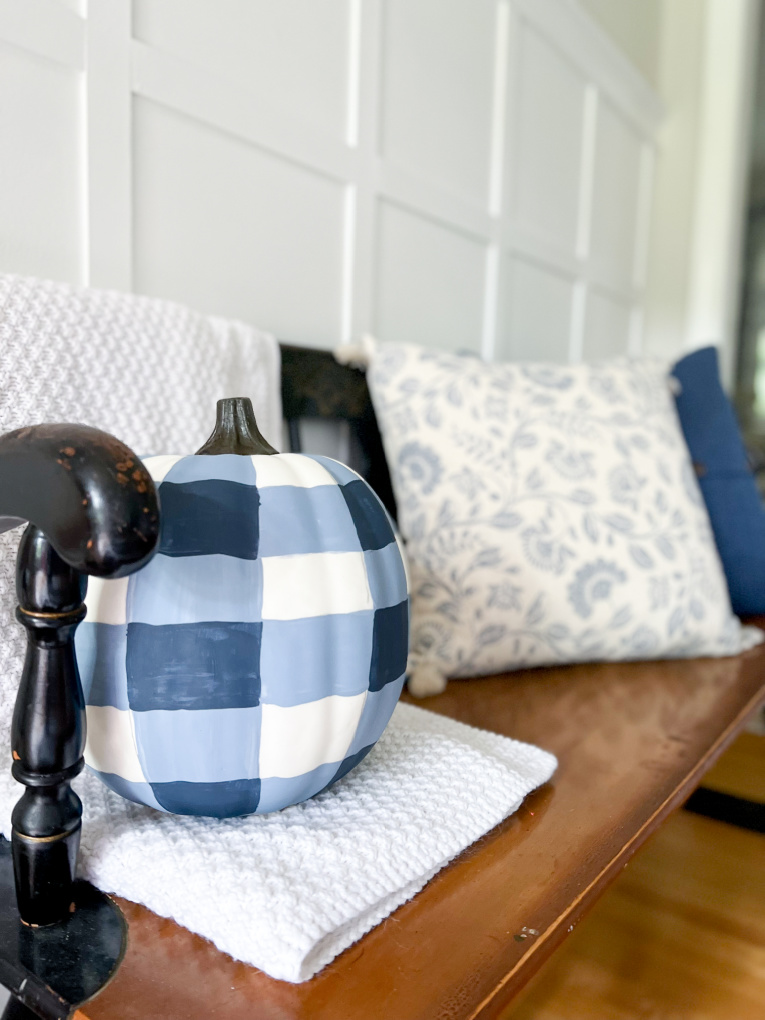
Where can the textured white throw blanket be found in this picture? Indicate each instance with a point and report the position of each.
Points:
(286, 892)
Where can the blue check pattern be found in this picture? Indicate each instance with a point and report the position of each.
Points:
(260, 655)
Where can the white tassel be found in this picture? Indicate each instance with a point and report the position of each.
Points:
(357, 355)
(425, 679)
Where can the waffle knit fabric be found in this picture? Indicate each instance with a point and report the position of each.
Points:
(288, 891)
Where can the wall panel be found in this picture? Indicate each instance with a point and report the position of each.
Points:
(535, 321)
(466, 175)
(545, 152)
(607, 329)
(41, 204)
(430, 283)
(221, 224)
(436, 91)
(615, 196)
(292, 55)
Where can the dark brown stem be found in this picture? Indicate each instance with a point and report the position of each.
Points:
(236, 430)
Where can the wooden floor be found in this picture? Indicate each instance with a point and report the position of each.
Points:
(681, 933)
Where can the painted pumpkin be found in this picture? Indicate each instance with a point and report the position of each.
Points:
(259, 656)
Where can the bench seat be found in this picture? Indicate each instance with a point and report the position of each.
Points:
(633, 741)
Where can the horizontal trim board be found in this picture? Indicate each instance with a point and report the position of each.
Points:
(521, 240)
(228, 107)
(45, 28)
(521, 243)
(410, 191)
(605, 290)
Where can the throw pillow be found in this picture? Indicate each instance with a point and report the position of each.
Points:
(730, 492)
(551, 515)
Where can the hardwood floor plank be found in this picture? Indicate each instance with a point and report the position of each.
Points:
(680, 936)
(741, 770)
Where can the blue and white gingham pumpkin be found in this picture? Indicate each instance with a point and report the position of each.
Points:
(260, 654)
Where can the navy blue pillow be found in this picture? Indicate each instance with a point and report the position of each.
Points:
(734, 503)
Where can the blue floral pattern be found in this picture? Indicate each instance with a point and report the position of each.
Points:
(594, 582)
(550, 513)
(421, 466)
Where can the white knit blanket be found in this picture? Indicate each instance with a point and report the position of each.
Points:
(286, 892)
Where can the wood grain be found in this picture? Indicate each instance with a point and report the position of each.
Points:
(632, 741)
(680, 934)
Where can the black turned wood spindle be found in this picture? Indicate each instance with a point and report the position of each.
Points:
(48, 733)
(92, 509)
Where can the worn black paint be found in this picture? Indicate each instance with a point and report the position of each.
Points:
(314, 385)
(92, 509)
(51, 971)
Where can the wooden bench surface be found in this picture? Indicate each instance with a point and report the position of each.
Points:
(632, 739)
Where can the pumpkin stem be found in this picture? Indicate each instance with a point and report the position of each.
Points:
(236, 430)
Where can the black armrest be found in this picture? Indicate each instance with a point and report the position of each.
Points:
(93, 509)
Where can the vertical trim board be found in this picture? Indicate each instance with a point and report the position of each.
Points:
(108, 184)
(499, 108)
(363, 313)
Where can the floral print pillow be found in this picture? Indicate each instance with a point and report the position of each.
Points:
(551, 514)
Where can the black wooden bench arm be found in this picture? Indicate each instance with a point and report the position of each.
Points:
(86, 491)
(93, 509)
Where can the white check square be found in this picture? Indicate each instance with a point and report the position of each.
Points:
(290, 469)
(110, 745)
(107, 600)
(298, 739)
(315, 584)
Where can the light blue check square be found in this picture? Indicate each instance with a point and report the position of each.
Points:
(199, 745)
(313, 657)
(295, 520)
(226, 467)
(277, 793)
(377, 710)
(196, 589)
(339, 472)
(101, 659)
(387, 578)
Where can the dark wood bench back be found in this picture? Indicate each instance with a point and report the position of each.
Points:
(314, 385)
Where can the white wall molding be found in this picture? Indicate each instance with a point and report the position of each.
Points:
(107, 162)
(228, 107)
(411, 191)
(584, 43)
(361, 300)
(478, 179)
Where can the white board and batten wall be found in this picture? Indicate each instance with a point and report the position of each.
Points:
(465, 174)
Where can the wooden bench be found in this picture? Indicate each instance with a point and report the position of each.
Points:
(633, 741)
